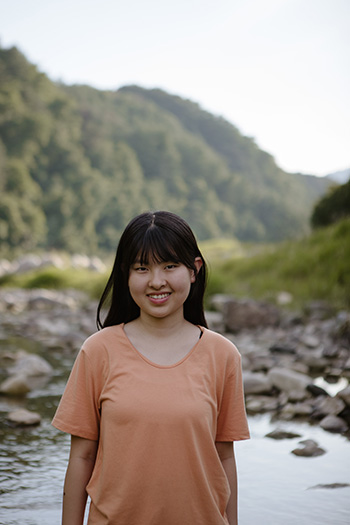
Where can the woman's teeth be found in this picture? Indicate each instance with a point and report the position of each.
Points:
(159, 296)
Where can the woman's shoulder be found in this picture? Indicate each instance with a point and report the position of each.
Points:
(102, 339)
(219, 344)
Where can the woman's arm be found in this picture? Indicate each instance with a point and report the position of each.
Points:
(81, 463)
(227, 457)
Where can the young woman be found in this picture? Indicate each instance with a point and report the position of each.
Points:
(155, 399)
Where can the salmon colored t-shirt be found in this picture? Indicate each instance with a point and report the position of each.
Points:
(157, 462)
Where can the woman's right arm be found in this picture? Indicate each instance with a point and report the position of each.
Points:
(81, 463)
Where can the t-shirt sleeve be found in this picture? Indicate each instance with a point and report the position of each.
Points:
(78, 411)
(232, 422)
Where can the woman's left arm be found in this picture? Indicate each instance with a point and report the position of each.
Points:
(227, 457)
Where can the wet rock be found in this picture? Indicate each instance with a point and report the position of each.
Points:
(29, 365)
(15, 386)
(215, 321)
(345, 395)
(23, 417)
(309, 449)
(288, 380)
(314, 359)
(245, 313)
(261, 404)
(26, 372)
(330, 486)
(282, 348)
(295, 410)
(256, 383)
(334, 424)
(316, 390)
(281, 434)
(325, 406)
(310, 341)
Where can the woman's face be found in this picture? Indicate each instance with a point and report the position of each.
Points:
(160, 289)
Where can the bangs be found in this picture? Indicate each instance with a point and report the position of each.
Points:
(158, 246)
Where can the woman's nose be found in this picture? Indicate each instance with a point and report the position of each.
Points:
(156, 279)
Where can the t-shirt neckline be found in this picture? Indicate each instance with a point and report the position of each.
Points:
(157, 365)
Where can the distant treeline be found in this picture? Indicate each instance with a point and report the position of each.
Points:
(77, 163)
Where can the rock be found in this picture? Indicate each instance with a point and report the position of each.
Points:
(15, 386)
(245, 313)
(330, 486)
(219, 300)
(261, 404)
(309, 449)
(30, 365)
(314, 359)
(215, 321)
(325, 406)
(262, 363)
(23, 417)
(316, 390)
(282, 348)
(256, 383)
(345, 395)
(292, 410)
(334, 424)
(288, 380)
(296, 396)
(310, 341)
(319, 310)
(281, 434)
(284, 298)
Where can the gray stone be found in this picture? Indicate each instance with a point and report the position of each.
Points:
(259, 404)
(288, 380)
(345, 395)
(15, 386)
(325, 406)
(245, 313)
(29, 365)
(256, 383)
(23, 417)
(334, 424)
(281, 434)
(309, 449)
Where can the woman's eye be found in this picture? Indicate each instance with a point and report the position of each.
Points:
(171, 266)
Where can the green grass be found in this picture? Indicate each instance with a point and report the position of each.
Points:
(54, 278)
(316, 267)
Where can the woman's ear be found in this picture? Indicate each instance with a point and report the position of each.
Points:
(198, 262)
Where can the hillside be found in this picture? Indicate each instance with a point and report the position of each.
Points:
(316, 267)
(77, 163)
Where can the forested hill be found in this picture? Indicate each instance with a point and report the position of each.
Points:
(77, 163)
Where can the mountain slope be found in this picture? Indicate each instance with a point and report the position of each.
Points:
(77, 163)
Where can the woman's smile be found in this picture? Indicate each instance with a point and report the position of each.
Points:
(160, 289)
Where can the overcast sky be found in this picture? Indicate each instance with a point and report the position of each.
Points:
(279, 70)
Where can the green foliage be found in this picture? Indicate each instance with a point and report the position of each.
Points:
(315, 267)
(53, 278)
(76, 164)
(334, 206)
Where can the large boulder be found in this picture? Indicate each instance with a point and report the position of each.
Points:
(288, 380)
(246, 313)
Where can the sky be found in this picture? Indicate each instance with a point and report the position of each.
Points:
(279, 70)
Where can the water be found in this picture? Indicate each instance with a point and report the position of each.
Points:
(275, 486)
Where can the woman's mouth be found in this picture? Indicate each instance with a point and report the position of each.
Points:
(158, 296)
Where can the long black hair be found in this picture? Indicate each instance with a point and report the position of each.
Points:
(159, 237)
